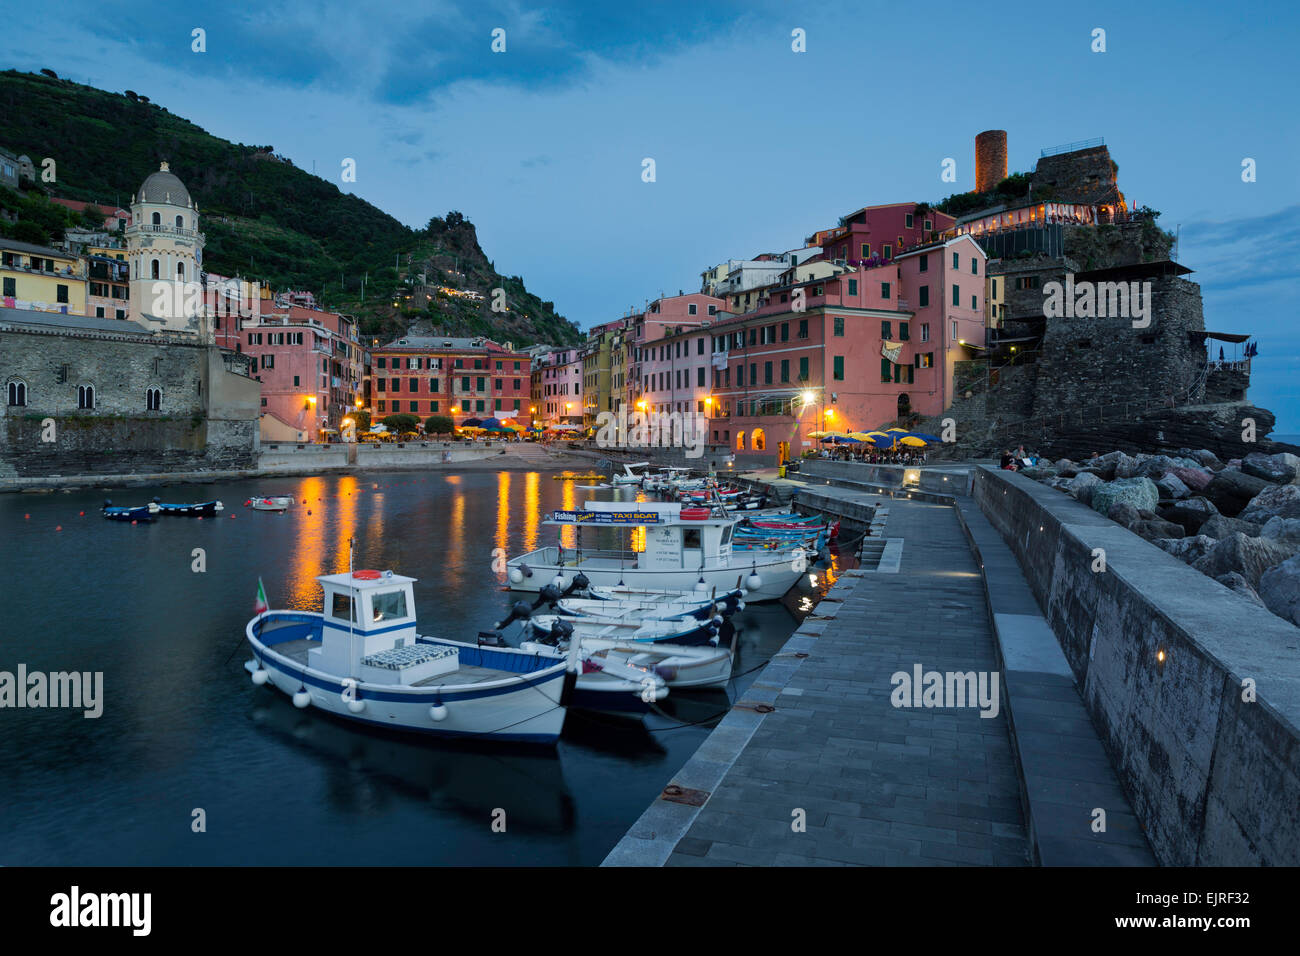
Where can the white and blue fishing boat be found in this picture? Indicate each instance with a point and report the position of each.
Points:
(630, 476)
(200, 509)
(625, 630)
(660, 606)
(139, 513)
(672, 549)
(363, 659)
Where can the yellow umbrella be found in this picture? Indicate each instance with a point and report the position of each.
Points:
(878, 435)
(896, 431)
(913, 441)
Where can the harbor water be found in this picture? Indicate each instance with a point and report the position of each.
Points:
(190, 763)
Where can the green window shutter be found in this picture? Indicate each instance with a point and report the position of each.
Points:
(884, 369)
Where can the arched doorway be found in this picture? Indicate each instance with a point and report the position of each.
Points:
(904, 405)
(759, 441)
(740, 441)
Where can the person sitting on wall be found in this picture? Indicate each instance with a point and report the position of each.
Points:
(1009, 461)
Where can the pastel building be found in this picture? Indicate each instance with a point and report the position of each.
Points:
(165, 250)
(559, 387)
(460, 378)
(882, 232)
(647, 352)
(42, 279)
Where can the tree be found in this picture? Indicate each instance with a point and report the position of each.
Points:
(402, 423)
(438, 425)
(362, 418)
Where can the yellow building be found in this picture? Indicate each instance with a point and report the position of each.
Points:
(42, 279)
(995, 300)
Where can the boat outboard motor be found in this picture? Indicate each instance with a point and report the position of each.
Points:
(580, 582)
(725, 633)
(522, 611)
(549, 594)
(561, 630)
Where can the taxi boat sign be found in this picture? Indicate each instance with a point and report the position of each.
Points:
(605, 517)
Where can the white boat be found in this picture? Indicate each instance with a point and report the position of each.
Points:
(659, 606)
(678, 553)
(630, 477)
(664, 478)
(677, 667)
(363, 659)
(622, 629)
(277, 503)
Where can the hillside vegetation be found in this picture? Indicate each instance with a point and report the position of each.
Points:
(263, 217)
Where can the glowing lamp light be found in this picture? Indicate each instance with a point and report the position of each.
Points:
(809, 398)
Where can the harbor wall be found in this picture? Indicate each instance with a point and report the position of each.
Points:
(1194, 690)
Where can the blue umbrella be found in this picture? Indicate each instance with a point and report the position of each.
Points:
(924, 437)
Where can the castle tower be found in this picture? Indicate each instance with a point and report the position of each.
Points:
(990, 159)
(165, 250)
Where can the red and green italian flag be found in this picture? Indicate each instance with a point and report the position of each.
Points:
(260, 604)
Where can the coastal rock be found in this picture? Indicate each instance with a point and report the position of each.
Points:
(1157, 529)
(1221, 526)
(1187, 550)
(1249, 557)
(1235, 582)
(1039, 473)
(1127, 466)
(1105, 466)
(1207, 458)
(1066, 468)
(1279, 588)
(1171, 486)
(1139, 492)
(1194, 478)
(1281, 467)
(1155, 466)
(1083, 485)
(1232, 490)
(1283, 530)
(1282, 501)
(1191, 513)
(1121, 512)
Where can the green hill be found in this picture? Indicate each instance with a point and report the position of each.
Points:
(263, 217)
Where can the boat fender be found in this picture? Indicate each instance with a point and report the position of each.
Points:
(718, 619)
(516, 576)
(302, 698)
(439, 710)
(558, 582)
(526, 570)
(261, 675)
(754, 582)
(356, 705)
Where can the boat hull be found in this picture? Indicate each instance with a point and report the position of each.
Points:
(202, 509)
(777, 570)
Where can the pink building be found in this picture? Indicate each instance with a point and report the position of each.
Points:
(881, 233)
(558, 391)
(844, 353)
(648, 354)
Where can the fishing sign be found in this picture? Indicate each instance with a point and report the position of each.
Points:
(606, 517)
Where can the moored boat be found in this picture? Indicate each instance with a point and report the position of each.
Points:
(361, 658)
(201, 509)
(276, 503)
(138, 513)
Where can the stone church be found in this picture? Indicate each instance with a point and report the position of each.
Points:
(151, 394)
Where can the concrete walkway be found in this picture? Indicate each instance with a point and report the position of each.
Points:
(837, 775)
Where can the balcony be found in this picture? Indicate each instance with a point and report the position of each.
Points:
(163, 230)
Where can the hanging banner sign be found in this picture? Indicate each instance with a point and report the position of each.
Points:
(892, 351)
(606, 517)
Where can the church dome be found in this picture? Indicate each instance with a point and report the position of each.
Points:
(164, 187)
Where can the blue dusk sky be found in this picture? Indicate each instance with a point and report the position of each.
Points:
(755, 146)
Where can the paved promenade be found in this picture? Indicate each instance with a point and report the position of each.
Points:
(837, 775)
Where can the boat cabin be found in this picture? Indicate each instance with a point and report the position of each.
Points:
(675, 538)
(369, 631)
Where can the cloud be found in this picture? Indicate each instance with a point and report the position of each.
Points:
(535, 162)
(1245, 253)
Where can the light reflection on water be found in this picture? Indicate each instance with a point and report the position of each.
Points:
(183, 727)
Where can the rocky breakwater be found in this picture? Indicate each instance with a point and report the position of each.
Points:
(1236, 521)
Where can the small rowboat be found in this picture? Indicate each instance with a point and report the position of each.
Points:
(279, 503)
(622, 630)
(568, 477)
(139, 513)
(203, 509)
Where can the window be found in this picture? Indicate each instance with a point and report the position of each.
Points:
(866, 250)
(740, 376)
(907, 221)
(954, 330)
(699, 378)
(383, 362)
(381, 382)
(839, 368)
(767, 373)
(499, 385)
(692, 309)
(18, 393)
(902, 332)
(884, 290)
(994, 287)
(886, 330)
(925, 331)
(956, 295)
(86, 396)
(699, 346)
(753, 373)
(974, 302)
(956, 260)
(61, 293)
(180, 272)
(923, 296)
(433, 406)
(785, 370)
(785, 331)
(887, 251)
(925, 264)
(927, 224)
(885, 374)
(153, 266)
(803, 369)
(478, 405)
(481, 385)
(10, 287)
(341, 608)
(974, 266)
(803, 328)
(383, 406)
(853, 287)
(157, 219)
(713, 310)
(395, 385)
(464, 404)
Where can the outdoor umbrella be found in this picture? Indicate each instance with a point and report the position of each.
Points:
(471, 423)
(932, 439)
(912, 441)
